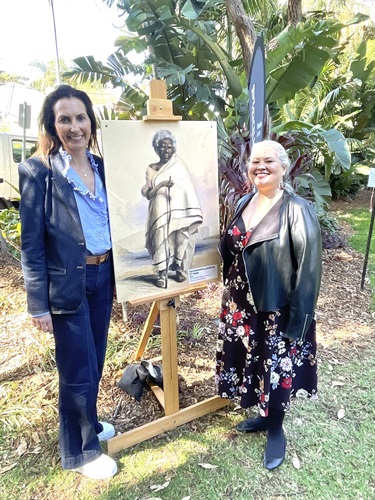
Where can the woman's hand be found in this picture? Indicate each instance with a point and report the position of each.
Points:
(44, 322)
(167, 184)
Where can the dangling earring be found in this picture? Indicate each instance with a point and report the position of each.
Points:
(282, 182)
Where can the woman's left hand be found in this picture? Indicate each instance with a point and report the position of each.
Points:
(44, 322)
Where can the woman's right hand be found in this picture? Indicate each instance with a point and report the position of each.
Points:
(43, 323)
(151, 192)
(167, 184)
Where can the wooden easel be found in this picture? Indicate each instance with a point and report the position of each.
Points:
(159, 108)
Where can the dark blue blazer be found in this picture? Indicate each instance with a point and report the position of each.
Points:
(53, 249)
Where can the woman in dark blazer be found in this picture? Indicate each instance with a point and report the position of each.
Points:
(68, 270)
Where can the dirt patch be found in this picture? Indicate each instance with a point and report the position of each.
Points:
(363, 199)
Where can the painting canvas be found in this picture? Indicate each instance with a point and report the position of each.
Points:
(162, 185)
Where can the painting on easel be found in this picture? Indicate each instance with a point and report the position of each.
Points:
(162, 185)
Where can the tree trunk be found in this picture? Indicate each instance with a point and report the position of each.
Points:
(294, 11)
(244, 28)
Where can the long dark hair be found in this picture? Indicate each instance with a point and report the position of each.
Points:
(49, 142)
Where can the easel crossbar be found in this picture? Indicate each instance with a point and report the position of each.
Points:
(164, 424)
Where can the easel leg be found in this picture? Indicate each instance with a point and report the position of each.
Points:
(169, 354)
(152, 315)
(168, 398)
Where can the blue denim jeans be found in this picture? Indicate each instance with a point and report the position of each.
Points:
(81, 341)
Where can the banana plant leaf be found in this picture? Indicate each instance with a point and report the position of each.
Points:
(313, 31)
(296, 58)
(338, 144)
(315, 182)
(286, 80)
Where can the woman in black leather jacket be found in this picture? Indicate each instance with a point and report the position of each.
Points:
(272, 270)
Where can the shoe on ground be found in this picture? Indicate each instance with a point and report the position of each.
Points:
(275, 451)
(256, 424)
(102, 467)
(107, 433)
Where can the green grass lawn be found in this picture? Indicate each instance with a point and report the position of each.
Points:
(336, 455)
(330, 451)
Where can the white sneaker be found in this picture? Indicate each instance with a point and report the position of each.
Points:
(102, 467)
(107, 433)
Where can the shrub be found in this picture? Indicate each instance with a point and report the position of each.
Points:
(10, 228)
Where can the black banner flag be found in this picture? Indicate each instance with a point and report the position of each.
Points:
(257, 93)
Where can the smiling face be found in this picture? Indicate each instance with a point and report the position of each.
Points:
(165, 150)
(72, 124)
(265, 169)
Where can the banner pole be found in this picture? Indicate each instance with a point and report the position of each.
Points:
(368, 242)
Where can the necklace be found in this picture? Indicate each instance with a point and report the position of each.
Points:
(81, 172)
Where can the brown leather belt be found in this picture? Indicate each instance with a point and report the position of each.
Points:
(95, 260)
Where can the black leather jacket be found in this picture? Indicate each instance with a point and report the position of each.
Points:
(283, 261)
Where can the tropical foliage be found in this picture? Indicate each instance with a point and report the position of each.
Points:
(320, 105)
(10, 230)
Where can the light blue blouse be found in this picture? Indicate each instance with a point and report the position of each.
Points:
(92, 207)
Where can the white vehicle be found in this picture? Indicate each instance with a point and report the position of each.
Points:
(10, 157)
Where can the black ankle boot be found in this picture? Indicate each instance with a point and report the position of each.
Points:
(276, 442)
(256, 424)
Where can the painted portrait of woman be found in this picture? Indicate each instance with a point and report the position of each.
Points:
(174, 213)
(162, 183)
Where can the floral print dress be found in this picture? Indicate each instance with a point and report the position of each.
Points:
(254, 360)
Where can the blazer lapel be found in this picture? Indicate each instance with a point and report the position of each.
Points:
(63, 188)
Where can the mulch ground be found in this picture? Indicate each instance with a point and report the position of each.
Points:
(344, 320)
